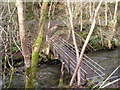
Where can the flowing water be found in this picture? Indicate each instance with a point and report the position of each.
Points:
(108, 59)
(48, 75)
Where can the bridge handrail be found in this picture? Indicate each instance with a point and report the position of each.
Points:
(92, 65)
(83, 62)
(59, 43)
(88, 61)
(66, 54)
(84, 55)
(74, 61)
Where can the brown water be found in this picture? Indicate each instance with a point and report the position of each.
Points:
(108, 59)
(48, 75)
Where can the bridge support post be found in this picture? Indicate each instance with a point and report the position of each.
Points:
(62, 75)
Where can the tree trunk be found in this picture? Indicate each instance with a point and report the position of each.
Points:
(113, 25)
(74, 40)
(85, 44)
(81, 16)
(38, 42)
(106, 10)
(25, 50)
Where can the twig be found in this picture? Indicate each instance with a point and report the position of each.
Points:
(109, 76)
(111, 83)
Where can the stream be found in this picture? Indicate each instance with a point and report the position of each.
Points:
(109, 59)
(48, 74)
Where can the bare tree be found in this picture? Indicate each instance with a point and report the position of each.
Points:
(74, 40)
(21, 19)
(85, 44)
(25, 51)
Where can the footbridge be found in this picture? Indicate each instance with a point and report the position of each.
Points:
(65, 52)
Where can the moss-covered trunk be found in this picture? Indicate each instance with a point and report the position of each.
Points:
(38, 42)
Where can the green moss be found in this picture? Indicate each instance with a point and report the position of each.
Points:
(58, 32)
(38, 42)
(29, 78)
(61, 83)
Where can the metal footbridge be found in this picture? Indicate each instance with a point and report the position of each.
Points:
(65, 52)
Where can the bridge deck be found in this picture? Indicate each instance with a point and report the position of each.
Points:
(66, 53)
